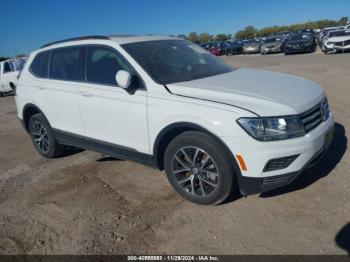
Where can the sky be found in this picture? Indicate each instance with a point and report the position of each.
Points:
(26, 25)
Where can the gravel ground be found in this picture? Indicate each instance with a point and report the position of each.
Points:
(86, 203)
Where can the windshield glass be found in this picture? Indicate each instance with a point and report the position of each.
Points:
(18, 64)
(173, 61)
(299, 37)
(271, 40)
(252, 41)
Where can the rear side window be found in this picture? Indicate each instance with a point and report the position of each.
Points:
(39, 66)
(102, 65)
(66, 63)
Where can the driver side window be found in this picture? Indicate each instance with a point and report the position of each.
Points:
(102, 65)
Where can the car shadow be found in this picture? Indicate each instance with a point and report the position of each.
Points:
(331, 159)
(70, 150)
(108, 159)
(343, 238)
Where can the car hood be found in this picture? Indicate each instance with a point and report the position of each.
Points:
(261, 92)
(339, 38)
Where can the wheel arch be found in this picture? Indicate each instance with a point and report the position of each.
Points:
(28, 111)
(171, 131)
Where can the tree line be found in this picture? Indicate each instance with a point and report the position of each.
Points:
(252, 32)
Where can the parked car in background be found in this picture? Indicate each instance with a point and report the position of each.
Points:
(252, 46)
(234, 47)
(324, 32)
(217, 48)
(272, 45)
(9, 73)
(336, 41)
(167, 103)
(299, 43)
(309, 32)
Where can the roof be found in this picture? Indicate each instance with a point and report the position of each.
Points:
(135, 38)
(119, 39)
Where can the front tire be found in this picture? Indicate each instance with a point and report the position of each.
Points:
(42, 137)
(200, 168)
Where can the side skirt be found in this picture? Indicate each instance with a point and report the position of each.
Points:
(117, 151)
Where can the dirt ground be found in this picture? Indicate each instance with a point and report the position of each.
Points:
(89, 204)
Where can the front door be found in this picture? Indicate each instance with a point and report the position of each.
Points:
(109, 112)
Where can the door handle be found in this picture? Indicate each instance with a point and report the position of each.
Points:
(41, 87)
(86, 94)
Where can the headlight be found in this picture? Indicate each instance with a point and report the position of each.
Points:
(273, 128)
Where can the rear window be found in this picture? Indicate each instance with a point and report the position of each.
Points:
(66, 64)
(39, 66)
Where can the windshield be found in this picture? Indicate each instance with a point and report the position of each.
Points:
(173, 61)
(252, 41)
(339, 33)
(299, 37)
(18, 64)
(271, 40)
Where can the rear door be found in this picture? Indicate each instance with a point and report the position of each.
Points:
(110, 113)
(58, 92)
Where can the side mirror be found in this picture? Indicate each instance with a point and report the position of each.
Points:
(123, 79)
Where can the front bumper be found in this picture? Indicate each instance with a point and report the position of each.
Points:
(251, 50)
(256, 154)
(270, 50)
(342, 48)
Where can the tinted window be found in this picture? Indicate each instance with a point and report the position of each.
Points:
(7, 67)
(102, 65)
(39, 66)
(66, 63)
(172, 61)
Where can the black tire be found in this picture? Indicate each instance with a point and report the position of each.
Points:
(13, 87)
(43, 138)
(200, 189)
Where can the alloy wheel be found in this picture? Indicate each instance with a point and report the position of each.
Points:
(195, 171)
(40, 137)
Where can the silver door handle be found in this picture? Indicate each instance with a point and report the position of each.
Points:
(41, 87)
(86, 94)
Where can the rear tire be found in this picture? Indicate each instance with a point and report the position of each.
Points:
(43, 138)
(200, 168)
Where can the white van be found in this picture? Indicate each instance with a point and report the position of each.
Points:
(9, 73)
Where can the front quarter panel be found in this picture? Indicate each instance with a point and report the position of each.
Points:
(218, 119)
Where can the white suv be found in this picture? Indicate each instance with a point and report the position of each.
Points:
(168, 103)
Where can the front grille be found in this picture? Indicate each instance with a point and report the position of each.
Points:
(279, 163)
(312, 118)
(343, 43)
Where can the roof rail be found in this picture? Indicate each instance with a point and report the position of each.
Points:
(76, 39)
